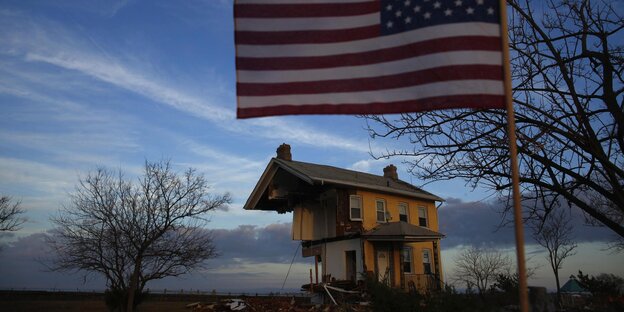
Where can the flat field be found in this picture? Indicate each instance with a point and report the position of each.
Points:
(27, 301)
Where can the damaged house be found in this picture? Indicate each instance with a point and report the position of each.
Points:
(356, 224)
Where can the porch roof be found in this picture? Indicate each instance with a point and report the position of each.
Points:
(401, 231)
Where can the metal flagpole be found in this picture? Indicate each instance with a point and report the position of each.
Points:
(513, 156)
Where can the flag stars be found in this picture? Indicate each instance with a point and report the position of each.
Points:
(406, 15)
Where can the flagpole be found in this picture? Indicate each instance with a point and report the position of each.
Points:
(513, 156)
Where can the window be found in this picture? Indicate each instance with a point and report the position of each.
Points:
(403, 212)
(427, 261)
(407, 260)
(422, 216)
(381, 210)
(355, 207)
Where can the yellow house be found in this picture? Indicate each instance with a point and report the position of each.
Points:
(356, 224)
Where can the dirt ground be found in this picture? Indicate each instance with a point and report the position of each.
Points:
(26, 301)
(83, 305)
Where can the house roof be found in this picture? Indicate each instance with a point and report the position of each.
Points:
(573, 286)
(400, 231)
(334, 175)
(315, 174)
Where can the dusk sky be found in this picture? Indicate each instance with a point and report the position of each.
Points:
(114, 83)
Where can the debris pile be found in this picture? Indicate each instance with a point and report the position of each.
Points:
(277, 304)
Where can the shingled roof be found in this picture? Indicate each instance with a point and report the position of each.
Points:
(400, 231)
(315, 174)
(323, 174)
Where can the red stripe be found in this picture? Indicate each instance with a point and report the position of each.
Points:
(479, 43)
(305, 10)
(448, 73)
(434, 103)
(306, 36)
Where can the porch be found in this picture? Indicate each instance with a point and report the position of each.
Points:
(405, 256)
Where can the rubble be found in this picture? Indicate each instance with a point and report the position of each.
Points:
(277, 304)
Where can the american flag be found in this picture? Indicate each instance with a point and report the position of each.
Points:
(367, 57)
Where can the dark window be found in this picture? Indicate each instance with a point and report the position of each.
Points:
(427, 261)
(422, 216)
(355, 207)
(407, 260)
(381, 210)
(403, 212)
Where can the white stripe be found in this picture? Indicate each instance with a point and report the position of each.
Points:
(306, 23)
(296, 1)
(418, 35)
(445, 88)
(373, 70)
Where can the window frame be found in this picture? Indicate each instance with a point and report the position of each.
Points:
(428, 252)
(359, 198)
(385, 210)
(408, 256)
(424, 209)
(406, 205)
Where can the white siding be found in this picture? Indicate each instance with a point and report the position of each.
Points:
(335, 263)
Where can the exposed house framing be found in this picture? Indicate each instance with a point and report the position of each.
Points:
(355, 224)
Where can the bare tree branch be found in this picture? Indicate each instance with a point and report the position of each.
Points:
(479, 267)
(556, 236)
(567, 68)
(133, 233)
(10, 214)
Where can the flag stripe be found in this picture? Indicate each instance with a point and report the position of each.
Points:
(437, 74)
(384, 55)
(307, 36)
(304, 10)
(372, 70)
(423, 91)
(396, 40)
(441, 102)
(379, 56)
(302, 23)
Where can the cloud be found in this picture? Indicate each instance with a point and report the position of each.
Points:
(251, 258)
(47, 42)
(480, 223)
(254, 244)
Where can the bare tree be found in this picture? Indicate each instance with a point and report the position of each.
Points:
(479, 267)
(556, 236)
(567, 66)
(132, 233)
(10, 214)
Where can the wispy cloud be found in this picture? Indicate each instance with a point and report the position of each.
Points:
(47, 42)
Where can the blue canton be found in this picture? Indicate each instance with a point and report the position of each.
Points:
(403, 15)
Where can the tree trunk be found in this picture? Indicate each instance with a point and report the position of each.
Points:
(558, 288)
(134, 283)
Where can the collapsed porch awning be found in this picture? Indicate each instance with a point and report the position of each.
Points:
(401, 231)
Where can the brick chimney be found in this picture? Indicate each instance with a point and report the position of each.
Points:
(391, 172)
(283, 152)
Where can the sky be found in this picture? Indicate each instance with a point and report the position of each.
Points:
(88, 84)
